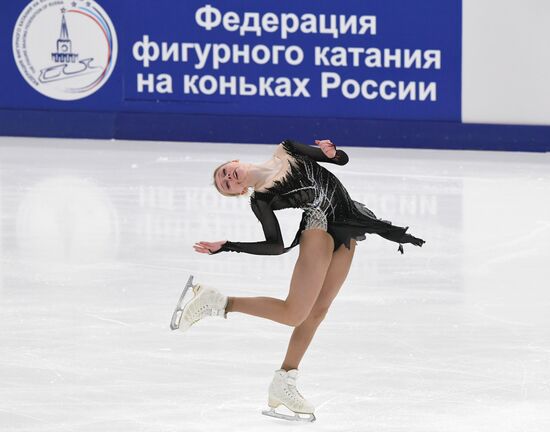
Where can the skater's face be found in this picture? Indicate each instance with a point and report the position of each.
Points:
(230, 178)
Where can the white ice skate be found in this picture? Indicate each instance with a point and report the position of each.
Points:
(282, 391)
(205, 302)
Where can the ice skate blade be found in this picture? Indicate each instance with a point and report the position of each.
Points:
(176, 316)
(296, 417)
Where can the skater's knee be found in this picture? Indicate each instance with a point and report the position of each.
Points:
(318, 314)
(296, 318)
(296, 314)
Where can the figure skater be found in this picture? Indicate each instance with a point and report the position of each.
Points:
(331, 225)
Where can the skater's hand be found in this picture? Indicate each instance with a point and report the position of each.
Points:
(328, 148)
(208, 247)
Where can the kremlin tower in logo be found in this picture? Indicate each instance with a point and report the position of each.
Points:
(64, 52)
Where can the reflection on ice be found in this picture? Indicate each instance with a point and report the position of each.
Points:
(67, 220)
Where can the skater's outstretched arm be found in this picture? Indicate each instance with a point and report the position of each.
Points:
(273, 244)
(326, 152)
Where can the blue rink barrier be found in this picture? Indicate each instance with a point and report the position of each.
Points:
(384, 74)
(269, 130)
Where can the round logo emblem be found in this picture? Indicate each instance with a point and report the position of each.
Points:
(64, 49)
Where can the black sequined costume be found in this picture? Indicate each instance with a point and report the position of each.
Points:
(325, 201)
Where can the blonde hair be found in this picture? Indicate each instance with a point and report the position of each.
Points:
(221, 191)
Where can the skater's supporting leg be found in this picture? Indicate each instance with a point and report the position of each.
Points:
(307, 280)
(303, 334)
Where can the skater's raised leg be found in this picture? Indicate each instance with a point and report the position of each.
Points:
(307, 280)
(334, 279)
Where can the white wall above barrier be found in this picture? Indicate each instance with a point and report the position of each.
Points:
(506, 62)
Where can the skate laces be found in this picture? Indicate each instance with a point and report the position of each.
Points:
(291, 390)
(204, 304)
(296, 397)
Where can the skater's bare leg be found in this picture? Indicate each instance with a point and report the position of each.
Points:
(307, 280)
(303, 334)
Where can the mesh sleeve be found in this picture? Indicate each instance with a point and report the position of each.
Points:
(273, 244)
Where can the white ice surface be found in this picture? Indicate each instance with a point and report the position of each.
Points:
(95, 246)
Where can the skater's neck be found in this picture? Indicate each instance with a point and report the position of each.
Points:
(263, 173)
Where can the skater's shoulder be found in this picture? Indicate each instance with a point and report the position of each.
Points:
(256, 196)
